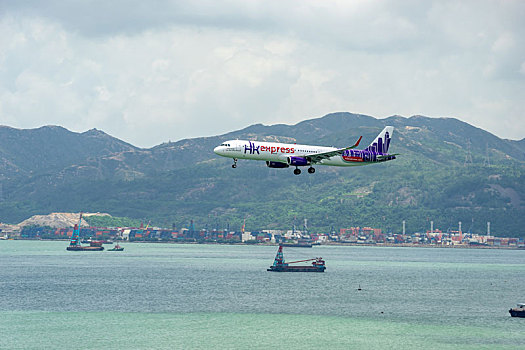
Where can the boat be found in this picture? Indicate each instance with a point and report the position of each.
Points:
(297, 245)
(116, 248)
(301, 243)
(518, 311)
(76, 245)
(84, 248)
(279, 265)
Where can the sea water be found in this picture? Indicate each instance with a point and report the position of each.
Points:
(192, 296)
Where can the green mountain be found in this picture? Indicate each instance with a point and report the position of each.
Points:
(46, 149)
(448, 171)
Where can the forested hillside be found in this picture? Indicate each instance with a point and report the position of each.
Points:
(447, 171)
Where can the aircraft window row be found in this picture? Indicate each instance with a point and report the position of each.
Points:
(225, 144)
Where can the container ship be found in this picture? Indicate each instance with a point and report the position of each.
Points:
(75, 244)
(279, 265)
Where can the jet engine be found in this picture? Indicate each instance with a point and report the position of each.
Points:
(298, 161)
(276, 165)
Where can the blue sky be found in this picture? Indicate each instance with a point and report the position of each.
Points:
(149, 72)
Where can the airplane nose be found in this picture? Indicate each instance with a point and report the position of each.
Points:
(216, 150)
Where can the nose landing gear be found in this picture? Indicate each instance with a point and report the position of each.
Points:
(234, 165)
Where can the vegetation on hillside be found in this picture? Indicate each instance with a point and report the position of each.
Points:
(111, 221)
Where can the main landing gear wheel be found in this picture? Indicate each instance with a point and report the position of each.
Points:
(311, 170)
(297, 171)
(234, 165)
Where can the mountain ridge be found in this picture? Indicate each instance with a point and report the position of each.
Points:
(21, 150)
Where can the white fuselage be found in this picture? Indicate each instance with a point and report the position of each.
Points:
(279, 152)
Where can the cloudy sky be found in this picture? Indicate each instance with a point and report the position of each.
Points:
(153, 71)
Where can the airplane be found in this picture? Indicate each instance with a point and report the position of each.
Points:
(283, 155)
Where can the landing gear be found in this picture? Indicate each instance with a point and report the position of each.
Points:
(234, 165)
(297, 171)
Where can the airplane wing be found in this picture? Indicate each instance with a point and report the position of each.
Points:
(318, 157)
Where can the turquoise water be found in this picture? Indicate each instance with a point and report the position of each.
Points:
(174, 296)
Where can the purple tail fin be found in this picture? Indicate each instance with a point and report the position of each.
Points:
(382, 141)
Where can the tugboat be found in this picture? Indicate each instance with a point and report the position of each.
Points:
(116, 248)
(518, 311)
(75, 244)
(279, 265)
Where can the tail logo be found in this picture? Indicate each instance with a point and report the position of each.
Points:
(381, 146)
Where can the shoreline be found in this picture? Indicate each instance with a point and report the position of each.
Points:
(342, 244)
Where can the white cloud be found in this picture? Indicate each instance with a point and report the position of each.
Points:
(148, 74)
(504, 42)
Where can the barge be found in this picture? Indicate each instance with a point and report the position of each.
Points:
(84, 247)
(279, 265)
(75, 245)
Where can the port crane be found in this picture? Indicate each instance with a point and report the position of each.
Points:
(75, 236)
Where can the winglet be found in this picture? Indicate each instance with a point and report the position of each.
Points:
(357, 143)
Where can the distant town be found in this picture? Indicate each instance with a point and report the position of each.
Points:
(350, 236)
